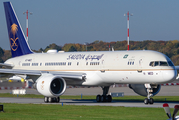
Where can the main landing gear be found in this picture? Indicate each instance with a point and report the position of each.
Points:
(149, 100)
(51, 99)
(104, 97)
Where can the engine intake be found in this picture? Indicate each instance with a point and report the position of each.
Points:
(140, 89)
(57, 86)
(50, 85)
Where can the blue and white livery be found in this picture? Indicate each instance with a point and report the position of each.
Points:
(51, 72)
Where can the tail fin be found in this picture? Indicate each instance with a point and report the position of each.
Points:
(17, 39)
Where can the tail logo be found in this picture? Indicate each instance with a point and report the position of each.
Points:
(14, 30)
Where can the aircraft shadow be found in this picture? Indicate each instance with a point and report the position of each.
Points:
(113, 101)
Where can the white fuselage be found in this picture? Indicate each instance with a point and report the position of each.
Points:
(103, 67)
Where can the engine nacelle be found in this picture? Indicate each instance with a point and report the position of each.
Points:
(140, 89)
(50, 85)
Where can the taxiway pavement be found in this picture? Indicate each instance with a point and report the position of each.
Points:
(85, 102)
(165, 91)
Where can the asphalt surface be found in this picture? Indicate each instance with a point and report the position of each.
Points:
(86, 102)
(165, 91)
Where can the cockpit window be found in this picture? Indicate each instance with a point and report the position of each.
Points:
(163, 63)
(158, 63)
(152, 63)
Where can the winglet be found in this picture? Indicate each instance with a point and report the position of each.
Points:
(17, 39)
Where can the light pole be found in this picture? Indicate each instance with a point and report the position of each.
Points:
(27, 23)
(86, 45)
(128, 28)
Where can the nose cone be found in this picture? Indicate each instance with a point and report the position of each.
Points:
(169, 75)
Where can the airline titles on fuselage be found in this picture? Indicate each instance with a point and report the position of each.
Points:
(70, 57)
(84, 57)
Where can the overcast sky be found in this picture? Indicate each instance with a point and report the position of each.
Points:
(80, 21)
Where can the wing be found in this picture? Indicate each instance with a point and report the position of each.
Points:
(35, 74)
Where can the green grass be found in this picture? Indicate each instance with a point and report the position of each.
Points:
(72, 112)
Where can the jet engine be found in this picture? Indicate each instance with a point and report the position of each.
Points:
(50, 85)
(140, 89)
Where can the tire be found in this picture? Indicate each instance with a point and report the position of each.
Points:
(109, 98)
(103, 98)
(46, 99)
(49, 99)
(151, 101)
(58, 99)
(146, 101)
(98, 98)
(54, 99)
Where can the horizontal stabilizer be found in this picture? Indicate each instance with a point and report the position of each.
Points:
(6, 66)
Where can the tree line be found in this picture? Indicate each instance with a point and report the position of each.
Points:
(169, 48)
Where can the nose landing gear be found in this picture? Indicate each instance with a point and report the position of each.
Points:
(149, 100)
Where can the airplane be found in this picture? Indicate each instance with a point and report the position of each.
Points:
(51, 72)
(16, 78)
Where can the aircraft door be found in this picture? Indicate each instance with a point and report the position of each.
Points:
(140, 66)
(102, 64)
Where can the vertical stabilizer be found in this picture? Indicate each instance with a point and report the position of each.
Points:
(18, 43)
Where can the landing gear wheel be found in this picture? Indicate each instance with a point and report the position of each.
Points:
(103, 98)
(108, 98)
(46, 99)
(49, 99)
(57, 99)
(98, 98)
(151, 101)
(146, 101)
